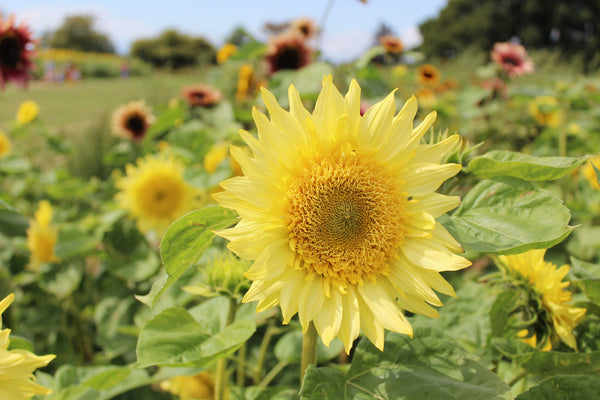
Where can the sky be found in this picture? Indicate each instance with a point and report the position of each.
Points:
(348, 28)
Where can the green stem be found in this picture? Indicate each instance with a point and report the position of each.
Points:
(264, 347)
(309, 350)
(241, 364)
(273, 373)
(517, 378)
(562, 142)
(222, 363)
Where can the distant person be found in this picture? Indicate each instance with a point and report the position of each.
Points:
(124, 69)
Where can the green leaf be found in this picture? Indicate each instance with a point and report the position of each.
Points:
(259, 393)
(289, 348)
(429, 366)
(20, 343)
(187, 238)
(564, 388)
(174, 338)
(165, 121)
(597, 171)
(508, 216)
(547, 363)
(591, 288)
(524, 166)
(15, 166)
(13, 223)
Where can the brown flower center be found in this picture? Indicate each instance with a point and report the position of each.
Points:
(136, 124)
(288, 58)
(10, 51)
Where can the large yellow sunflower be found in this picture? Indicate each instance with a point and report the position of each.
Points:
(155, 193)
(338, 211)
(41, 237)
(546, 281)
(17, 366)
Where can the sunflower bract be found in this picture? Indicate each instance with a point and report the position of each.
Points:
(338, 213)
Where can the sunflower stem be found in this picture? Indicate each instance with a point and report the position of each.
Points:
(222, 363)
(240, 373)
(309, 350)
(264, 347)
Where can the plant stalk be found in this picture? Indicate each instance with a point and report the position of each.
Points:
(222, 363)
(309, 350)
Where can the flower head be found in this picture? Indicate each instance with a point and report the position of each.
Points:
(428, 75)
(392, 44)
(338, 213)
(41, 236)
(28, 112)
(5, 145)
(287, 51)
(305, 26)
(198, 387)
(545, 279)
(15, 52)
(589, 173)
(248, 83)
(155, 193)
(132, 120)
(546, 111)
(513, 58)
(225, 52)
(17, 366)
(201, 95)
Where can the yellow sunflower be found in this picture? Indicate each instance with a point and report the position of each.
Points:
(225, 52)
(546, 111)
(338, 211)
(197, 387)
(155, 193)
(17, 366)
(28, 111)
(589, 173)
(428, 75)
(132, 120)
(5, 145)
(41, 237)
(546, 281)
(215, 156)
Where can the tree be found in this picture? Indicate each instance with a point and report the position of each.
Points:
(568, 26)
(239, 36)
(174, 50)
(77, 32)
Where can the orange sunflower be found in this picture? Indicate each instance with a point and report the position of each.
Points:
(288, 51)
(428, 75)
(132, 120)
(201, 95)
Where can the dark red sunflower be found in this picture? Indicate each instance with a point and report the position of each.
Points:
(16, 50)
(288, 51)
(201, 95)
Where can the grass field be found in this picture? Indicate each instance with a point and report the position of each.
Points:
(72, 106)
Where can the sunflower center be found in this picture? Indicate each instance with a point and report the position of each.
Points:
(161, 195)
(288, 58)
(136, 124)
(511, 60)
(198, 96)
(10, 51)
(346, 219)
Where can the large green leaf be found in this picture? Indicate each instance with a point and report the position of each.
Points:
(429, 366)
(518, 165)
(12, 223)
(185, 241)
(175, 338)
(558, 363)
(564, 387)
(508, 216)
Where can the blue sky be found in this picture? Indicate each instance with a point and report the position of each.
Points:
(348, 29)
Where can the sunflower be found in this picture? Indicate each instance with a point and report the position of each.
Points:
(426, 97)
(217, 153)
(428, 75)
(225, 52)
(201, 95)
(17, 366)
(41, 236)
(338, 211)
(305, 26)
(548, 290)
(546, 111)
(589, 173)
(391, 44)
(15, 52)
(27, 112)
(5, 145)
(132, 120)
(248, 83)
(287, 51)
(155, 193)
(513, 58)
(199, 386)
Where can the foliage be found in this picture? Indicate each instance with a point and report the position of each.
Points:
(77, 32)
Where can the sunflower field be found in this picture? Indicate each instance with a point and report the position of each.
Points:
(277, 226)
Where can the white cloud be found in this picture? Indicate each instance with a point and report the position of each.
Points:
(345, 46)
(411, 37)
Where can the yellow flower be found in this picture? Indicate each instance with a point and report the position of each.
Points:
(589, 173)
(28, 111)
(17, 366)
(428, 75)
(214, 157)
(426, 97)
(546, 111)
(338, 211)
(132, 120)
(197, 387)
(546, 281)
(5, 145)
(41, 237)
(155, 193)
(225, 52)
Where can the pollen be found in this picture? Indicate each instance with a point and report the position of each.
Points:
(346, 218)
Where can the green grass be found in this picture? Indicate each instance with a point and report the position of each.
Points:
(70, 107)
